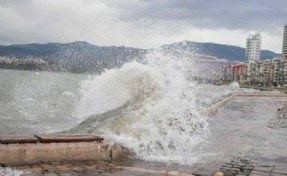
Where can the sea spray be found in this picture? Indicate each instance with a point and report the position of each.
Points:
(133, 82)
(161, 122)
(150, 106)
(37, 102)
(6, 171)
(234, 84)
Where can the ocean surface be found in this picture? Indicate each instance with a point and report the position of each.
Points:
(151, 107)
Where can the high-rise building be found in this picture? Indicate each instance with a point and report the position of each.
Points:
(284, 48)
(253, 47)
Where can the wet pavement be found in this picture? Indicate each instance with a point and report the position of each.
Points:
(128, 167)
(242, 129)
(235, 167)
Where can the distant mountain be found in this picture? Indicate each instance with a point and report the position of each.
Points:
(84, 57)
(229, 52)
(74, 57)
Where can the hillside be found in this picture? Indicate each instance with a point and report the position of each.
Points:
(229, 52)
(73, 57)
(85, 57)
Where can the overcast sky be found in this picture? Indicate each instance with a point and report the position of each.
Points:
(142, 23)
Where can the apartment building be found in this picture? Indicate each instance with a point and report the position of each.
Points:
(284, 46)
(253, 47)
(268, 72)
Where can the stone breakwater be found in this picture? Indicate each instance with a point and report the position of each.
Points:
(22, 150)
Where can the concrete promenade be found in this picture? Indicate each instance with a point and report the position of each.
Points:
(235, 167)
(215, 107)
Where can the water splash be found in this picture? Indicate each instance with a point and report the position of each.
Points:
(150, 106)
(161, 121)
(9, 172)
(235, 84)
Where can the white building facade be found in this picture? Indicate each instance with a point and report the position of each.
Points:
(284, 48)
(253, 48)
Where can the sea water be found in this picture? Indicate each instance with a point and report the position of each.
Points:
(150, 106)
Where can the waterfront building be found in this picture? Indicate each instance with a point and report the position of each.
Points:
(283, 72)
(268, 72)
(235, 72)
(254, 70)
(275, 69)
(253, 47)
(284, 48)
(228, 73)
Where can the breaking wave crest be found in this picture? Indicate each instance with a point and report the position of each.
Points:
(149, 107)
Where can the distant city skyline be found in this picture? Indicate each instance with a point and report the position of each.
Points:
(142, 23)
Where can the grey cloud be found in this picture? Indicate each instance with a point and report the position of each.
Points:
(212, 14)
(141, 23)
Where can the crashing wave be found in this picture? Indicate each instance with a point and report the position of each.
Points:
(149, 108)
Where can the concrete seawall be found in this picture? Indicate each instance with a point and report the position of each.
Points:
(215, 107)
(260, 95)
(18, 150)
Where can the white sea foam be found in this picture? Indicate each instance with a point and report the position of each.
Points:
(162, 121)
(235, 84)
(9, 172)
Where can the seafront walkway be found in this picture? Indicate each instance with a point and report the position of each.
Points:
(80, 154)
(235, 167)
(264, 88)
